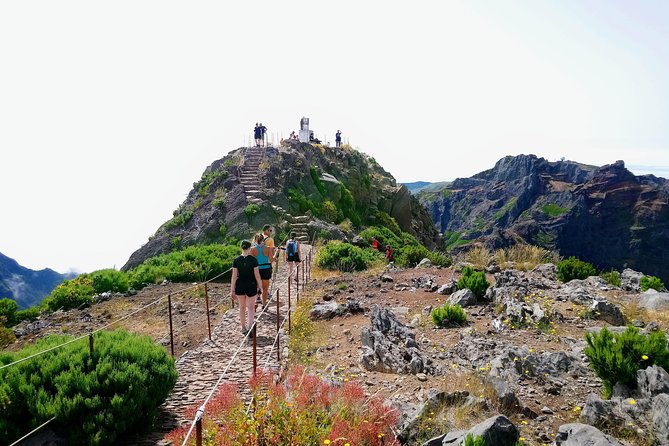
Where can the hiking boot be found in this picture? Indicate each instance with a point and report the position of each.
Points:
(259, 300)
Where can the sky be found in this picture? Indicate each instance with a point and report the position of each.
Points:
(109, 111)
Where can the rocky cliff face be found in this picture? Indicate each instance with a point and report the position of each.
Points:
(26, 286)
(328, 185)
(606, 215)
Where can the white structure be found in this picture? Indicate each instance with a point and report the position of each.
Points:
(304, 130)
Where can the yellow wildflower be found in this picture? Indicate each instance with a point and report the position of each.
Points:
(326, 441)
(632, 402)
(644, 357)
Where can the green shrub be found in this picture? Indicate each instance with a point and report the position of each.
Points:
(449, 315)
(71, 294)
(109, 280)
(553, 210)
(345, 257)
(385, 220)
(251, 210)
(612, 277)
(470, 440)
(617, 357)
(179, 220)
(316, 178)
(384, 235)
(303, 204)
(94, 398)
(329, 211)
(8, 309)
(653, 282)
(475, 281)
(28, 314)
(573, 268)
(195, 263)
(6, 337)
(410, 256)
(439, 258)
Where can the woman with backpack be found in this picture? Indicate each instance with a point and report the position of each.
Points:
(292, 253)
(264, 254)
(245, 284)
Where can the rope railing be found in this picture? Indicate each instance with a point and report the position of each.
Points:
(195, 424)
(127, 316)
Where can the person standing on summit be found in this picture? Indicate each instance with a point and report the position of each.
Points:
(263, 131)
(257, 134)
(338, 139)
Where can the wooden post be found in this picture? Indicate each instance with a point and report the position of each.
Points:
(90, 344)
(206, 302)
(169, 310)
(277, 310)
(198, 432)
(278, 326)
(289, 280)
(297, 281)
(255, 347)
(303, 268)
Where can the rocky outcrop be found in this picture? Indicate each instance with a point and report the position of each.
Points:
(606, 215)
(390, 346)
(576, 434)
(250, 187)
(497, 430)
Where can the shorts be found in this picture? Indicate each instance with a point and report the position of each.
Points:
(293, 258)
(249, 289)
(265, 273)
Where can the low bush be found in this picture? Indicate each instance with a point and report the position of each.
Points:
(617, 357)
(385, 220)
(73, 293)
(573, 268)
(648, 282)
(305, 410)
(473, 280)
(470, 440)
(612, 277)
(94, 398)
(448, 315)
(524, 256)
(410, 256)
(345, 257)
(6, 337)
(251, 210)
(8, 310)
(28, 314)
(109, 280)
(194, 263)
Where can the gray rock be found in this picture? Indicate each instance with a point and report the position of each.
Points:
(505, 395)
(652, 381)
(330, 309)
(448, 288)
(320, 227)
(660, 418)
(546, 270)
(421, 376)
(386, 278)
(576, 434)
(574, 291)
(598, 411)
(425, 263)
(608, 312)
(654, 301)
(631, 280)
(464, 298)
(497, 430)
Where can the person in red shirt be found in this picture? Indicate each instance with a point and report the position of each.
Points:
(375, 243)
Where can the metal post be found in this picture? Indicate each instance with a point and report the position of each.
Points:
(90, 344)
(255, 347)
(303, 268)
(198, 432)
(169, 308)
(277, 310)
(289, 280)
(297, 282)
(278, 326)
(206, 302)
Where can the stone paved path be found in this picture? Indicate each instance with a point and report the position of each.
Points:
(200, 368)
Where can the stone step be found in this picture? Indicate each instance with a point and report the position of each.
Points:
(301, 219)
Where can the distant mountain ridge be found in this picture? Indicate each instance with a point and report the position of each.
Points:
(419, 186)
(605, 215)
(26, 286)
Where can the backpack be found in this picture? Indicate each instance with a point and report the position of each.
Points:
(291, 247)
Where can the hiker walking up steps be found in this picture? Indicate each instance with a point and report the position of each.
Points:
(265, 252)
(245, 285)
(292, 255)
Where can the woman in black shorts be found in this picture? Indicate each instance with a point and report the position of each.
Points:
(245, 283)
(292, 253)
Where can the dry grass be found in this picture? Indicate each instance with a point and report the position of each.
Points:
(478, 256)
(524, 257)
(632, 311)
(304, 338)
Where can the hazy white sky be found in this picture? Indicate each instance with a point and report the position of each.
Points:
(109, 111)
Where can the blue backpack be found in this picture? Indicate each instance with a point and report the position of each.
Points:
(291, 247)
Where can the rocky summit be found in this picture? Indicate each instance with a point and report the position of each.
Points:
(604, 215)
(309, 189)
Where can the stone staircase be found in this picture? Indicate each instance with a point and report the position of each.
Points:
(300, 227)
(249, 174)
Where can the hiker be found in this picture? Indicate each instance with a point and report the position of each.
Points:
(389, 253)
(244, 285)
(338, 138)
(265, 252)
(263, 131)
(257, 134)
(375, 244)
(292, 255)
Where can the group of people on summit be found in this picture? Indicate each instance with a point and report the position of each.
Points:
(260, 132)
(252, 272)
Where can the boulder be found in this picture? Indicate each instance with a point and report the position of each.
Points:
(464, 298)
(497, 430)
(448, 288)
(546, 270)
(608, 312)
(660, 418)
(425, 263)
(652, 381)
(630, 280)
(577, 434)
(505, 395)
(330, 309)
(652, 300)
